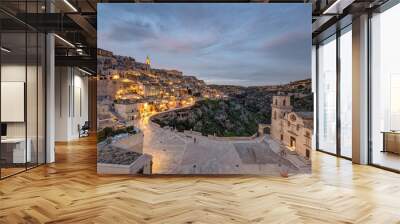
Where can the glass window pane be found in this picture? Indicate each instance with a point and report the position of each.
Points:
(41, 98)
(13, 86)
(346, 94)
(385, 89)
(23, 82)
(31, 97)
(327, 96)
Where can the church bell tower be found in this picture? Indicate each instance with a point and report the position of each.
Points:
(148, 61)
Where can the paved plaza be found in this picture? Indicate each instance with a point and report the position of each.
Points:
(179, 153)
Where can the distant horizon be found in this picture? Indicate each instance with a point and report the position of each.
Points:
(208, 84)
(212, 41)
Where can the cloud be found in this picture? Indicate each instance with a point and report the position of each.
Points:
(179, 44)
(286, 39)
(136, 30)
(246, 44)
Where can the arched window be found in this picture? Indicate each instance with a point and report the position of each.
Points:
(274, 114)
(284, 102)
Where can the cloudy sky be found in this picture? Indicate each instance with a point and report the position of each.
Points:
(237, 44)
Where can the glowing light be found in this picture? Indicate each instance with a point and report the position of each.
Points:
(64, 40)
(5, 50)
(84, 71)
(70, 5)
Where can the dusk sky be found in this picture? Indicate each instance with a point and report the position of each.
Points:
(235, 44)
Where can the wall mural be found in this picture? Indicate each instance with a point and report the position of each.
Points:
(204, 89)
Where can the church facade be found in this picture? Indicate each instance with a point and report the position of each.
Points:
(292, 129)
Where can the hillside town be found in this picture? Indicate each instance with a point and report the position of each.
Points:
(136, 90)
(161, 119)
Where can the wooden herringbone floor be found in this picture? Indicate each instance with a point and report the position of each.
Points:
(70, 191)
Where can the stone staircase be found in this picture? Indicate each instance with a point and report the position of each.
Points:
(298, 161)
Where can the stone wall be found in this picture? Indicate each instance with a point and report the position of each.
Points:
(131, 143)
(142, 165)
(232, 138)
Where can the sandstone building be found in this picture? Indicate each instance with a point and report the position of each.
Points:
(291, 129)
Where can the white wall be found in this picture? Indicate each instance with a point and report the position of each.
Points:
(71, 102)
(61, 103)
(12, 73)
(80, 110)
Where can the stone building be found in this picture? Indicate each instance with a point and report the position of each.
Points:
(292, 129)
(128, 111)
(104, 117)
(151, 90)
